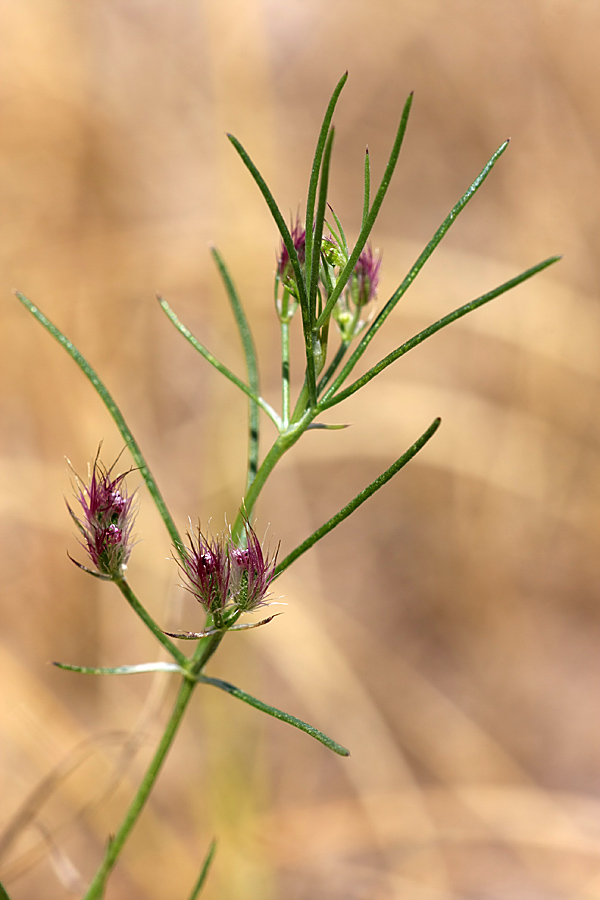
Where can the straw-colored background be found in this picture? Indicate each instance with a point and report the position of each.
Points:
(449, 633)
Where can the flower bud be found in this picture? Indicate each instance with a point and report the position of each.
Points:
(359, 293)
(285, 275)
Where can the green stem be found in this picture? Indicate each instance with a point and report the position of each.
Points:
(97, 887)
(147, 619)
(285, 373)
(205, 650)
(283, 443)
(332, 369)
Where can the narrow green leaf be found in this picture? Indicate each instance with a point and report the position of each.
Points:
(3, 894)
(276, 713)
(318, 229)
(251, 365)
(114, 412)
(358, 500)
(279, 220)
(367, 195)
(431, 329)
(219, 366)
(204, 870)
(289, 244)
(372, 215)
(340, 231)
(140, 669)
(414, 271)
(316, 168)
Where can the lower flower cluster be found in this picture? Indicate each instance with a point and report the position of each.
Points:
(223, 576)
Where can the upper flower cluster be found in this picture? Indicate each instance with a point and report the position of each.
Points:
(360, 291)
(107, 521)
(222, 576)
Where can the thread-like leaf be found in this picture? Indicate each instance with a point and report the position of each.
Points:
(204, 870)
(289, 245)
(276, 713)
(318, 235)
(251, 365)
(139, 669)
(219, 366)
(431, 329)
(316, 168)
(114, 412)
(372, 215)
(358, 500)
(416, 268)
(367, 193)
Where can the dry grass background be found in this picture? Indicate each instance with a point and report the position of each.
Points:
(449, 633)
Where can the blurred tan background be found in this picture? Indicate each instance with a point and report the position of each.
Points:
(449, 634)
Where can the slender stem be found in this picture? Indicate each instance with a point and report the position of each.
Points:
(283, 443)
(205, 650)
(147, 619)
(285, 373)
(96, 889)
(301, 405)
(333, 366)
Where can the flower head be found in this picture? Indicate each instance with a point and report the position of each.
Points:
(365, 278)
(108, 515)
(205, 567)
(223, 576)
(251, 572)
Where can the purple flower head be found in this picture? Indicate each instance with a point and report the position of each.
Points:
(107, 520)
(222, 576)
(251, 572)
(284, 265)
(206, 568)
(365, 277)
